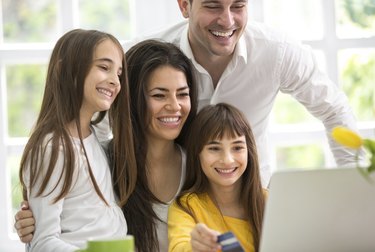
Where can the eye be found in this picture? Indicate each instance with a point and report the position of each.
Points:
(238, 6)
(104, 67)
(213, 148)
(211, 6)
(184, 94)
(239, 148)
(159, 96)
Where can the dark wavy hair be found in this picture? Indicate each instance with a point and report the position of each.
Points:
(213, 122)
(143, 59)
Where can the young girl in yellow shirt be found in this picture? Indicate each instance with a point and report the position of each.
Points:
(222, 191)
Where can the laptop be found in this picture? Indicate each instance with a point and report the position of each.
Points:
(325, 210)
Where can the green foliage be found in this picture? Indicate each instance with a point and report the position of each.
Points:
(112, 16)
(29, 21)
(25, 88)
(288, 111)
(361, 12)
(358, 79)
(16, 191)
(300, 157)
(369, 144)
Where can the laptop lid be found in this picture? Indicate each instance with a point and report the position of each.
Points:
(319, 210)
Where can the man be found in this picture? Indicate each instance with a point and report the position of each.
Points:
(246, 65)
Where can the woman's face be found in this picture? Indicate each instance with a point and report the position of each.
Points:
(168, 102)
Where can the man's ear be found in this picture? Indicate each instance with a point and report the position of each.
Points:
(184, 7)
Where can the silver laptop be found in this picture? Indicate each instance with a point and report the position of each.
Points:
(324, 210)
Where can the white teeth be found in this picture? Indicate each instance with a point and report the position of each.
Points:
(222, 34)
(104, 91)
(225, 170)
(169, 119)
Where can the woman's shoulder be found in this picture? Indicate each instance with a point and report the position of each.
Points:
(265, 193)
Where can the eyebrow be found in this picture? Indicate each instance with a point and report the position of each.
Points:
(216, 1)
(104, 59)
(235, 142)
(166, 90)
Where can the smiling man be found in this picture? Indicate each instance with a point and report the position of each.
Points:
(246, 64)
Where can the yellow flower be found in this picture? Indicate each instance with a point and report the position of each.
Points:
(347, 137)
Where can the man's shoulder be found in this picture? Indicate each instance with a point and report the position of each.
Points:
(170, 34)
(257, 30)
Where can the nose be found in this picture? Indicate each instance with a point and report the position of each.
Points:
(227, 158)
(115, 79)
(173, 104)
(226, 18)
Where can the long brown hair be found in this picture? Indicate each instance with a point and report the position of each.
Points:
(70, 62)
(213, 122)
(143, 59)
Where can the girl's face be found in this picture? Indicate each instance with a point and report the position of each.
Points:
(224, 161)
(168, 102)
(102, 83)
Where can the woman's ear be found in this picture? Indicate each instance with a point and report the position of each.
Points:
(184, 7)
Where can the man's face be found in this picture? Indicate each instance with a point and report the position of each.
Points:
(215, 26)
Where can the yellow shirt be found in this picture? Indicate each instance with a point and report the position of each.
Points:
(180, 223)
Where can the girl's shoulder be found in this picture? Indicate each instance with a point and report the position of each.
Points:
(194, 199)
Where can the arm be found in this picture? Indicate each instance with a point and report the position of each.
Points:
(47, 214)
(301, 77)
(184, 234)
(25, 223)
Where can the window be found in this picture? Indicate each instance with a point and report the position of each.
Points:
(342, 34)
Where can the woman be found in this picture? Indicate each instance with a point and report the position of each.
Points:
(163, 103)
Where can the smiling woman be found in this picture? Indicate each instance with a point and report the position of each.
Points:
(167, 89)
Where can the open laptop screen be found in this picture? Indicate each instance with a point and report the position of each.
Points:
(319, 210)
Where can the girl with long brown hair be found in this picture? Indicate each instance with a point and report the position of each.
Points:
(64, 170)
(222, 190)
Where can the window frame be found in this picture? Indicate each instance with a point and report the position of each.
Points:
(329, 45)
